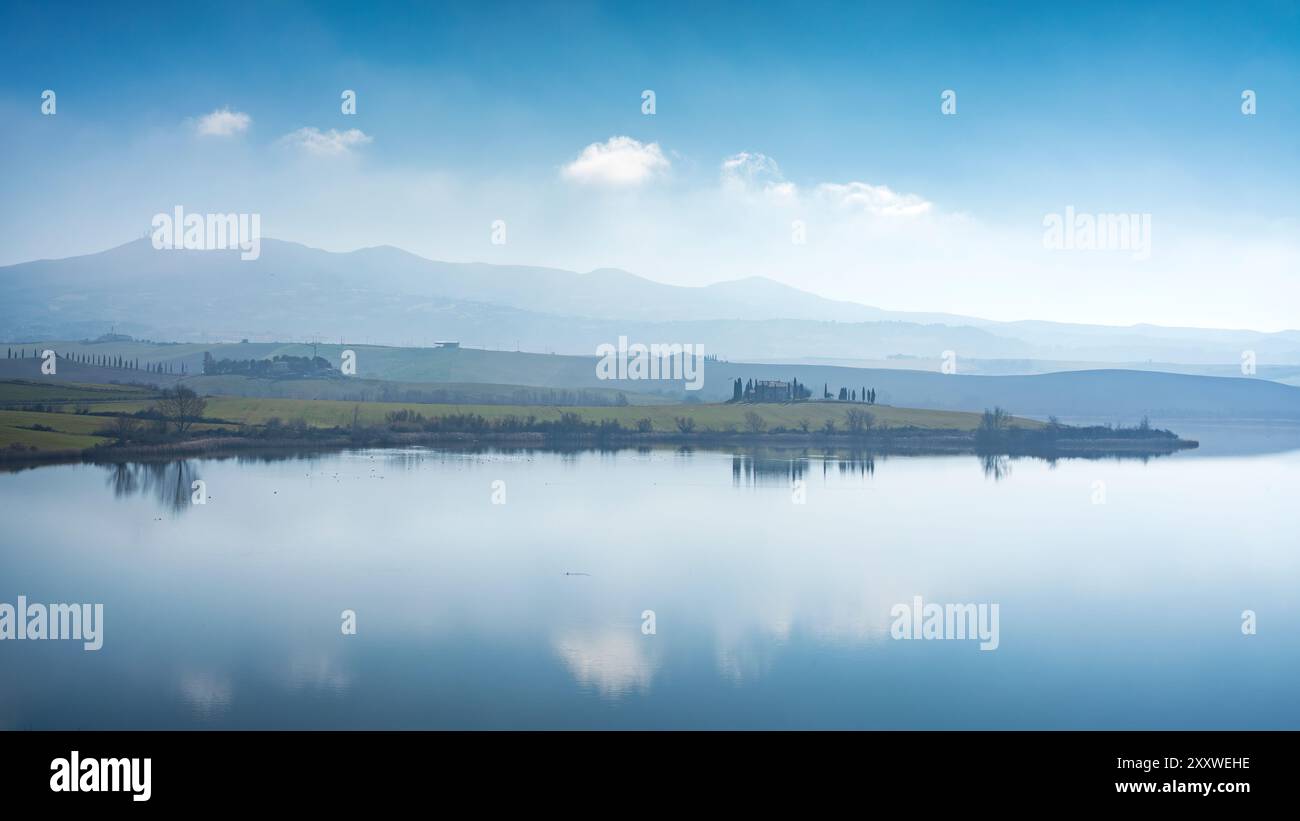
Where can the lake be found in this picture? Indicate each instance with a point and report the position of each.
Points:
(498, 589)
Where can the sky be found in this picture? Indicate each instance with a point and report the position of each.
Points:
(804, 142)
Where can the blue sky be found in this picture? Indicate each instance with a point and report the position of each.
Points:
(477, 111)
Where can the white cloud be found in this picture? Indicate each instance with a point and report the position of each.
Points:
(619, 161)
(874, 199)
(699, 231)
(751, 167)
(223, 123)
(332, 143)
(750, 172)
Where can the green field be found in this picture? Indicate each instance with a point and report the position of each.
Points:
(73, 430)
(392, 364)
(375, 390)
(26, 391)
(329, 413)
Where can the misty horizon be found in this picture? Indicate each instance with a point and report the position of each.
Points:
(605, 269)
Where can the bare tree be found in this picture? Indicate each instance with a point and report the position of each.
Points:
(755, 423)
(123, 428)
(685, 424)
(858, 421)
(181, 407)
(991, 431)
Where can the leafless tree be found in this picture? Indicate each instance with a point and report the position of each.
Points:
(123, 428)
(858, 421)
(181, 407)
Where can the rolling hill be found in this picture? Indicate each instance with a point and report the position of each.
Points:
(1114, 394)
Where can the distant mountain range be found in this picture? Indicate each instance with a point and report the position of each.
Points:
(386, 295)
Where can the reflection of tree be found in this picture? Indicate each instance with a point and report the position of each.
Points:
(997, 467)
(122, 478)
(862, 464)
(766, 467)
(750, 469)
(170, 483)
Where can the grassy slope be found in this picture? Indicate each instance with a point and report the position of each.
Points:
(461, 375)
(74, 430)
(1116, 395)
(350, 389)
(60, 392)
(373, 361)
(71, 431)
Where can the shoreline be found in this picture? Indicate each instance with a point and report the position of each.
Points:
(890, 442)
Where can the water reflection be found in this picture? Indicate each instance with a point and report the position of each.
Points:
(317, 672)
(769, 613)
(764, 468)
(613, 663)
(752, 470)
(171, 484)
(207, 694)
(996, 468)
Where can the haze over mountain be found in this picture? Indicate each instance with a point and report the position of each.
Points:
(386, 295)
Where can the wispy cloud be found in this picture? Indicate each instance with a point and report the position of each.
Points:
(222, 123)
(750, 172)
(332, 143)
(874, 199)
(750, 167)
(619, 161)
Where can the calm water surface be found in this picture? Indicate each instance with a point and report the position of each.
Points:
(528, 614)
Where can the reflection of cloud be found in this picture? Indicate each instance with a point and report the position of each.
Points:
(852, 617)
(746, 650)
(206, 694)
(614, 663)
(317, 673)
(745, 658)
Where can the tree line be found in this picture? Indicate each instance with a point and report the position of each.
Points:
(103, 361)
(795, 391)
(281, 365)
